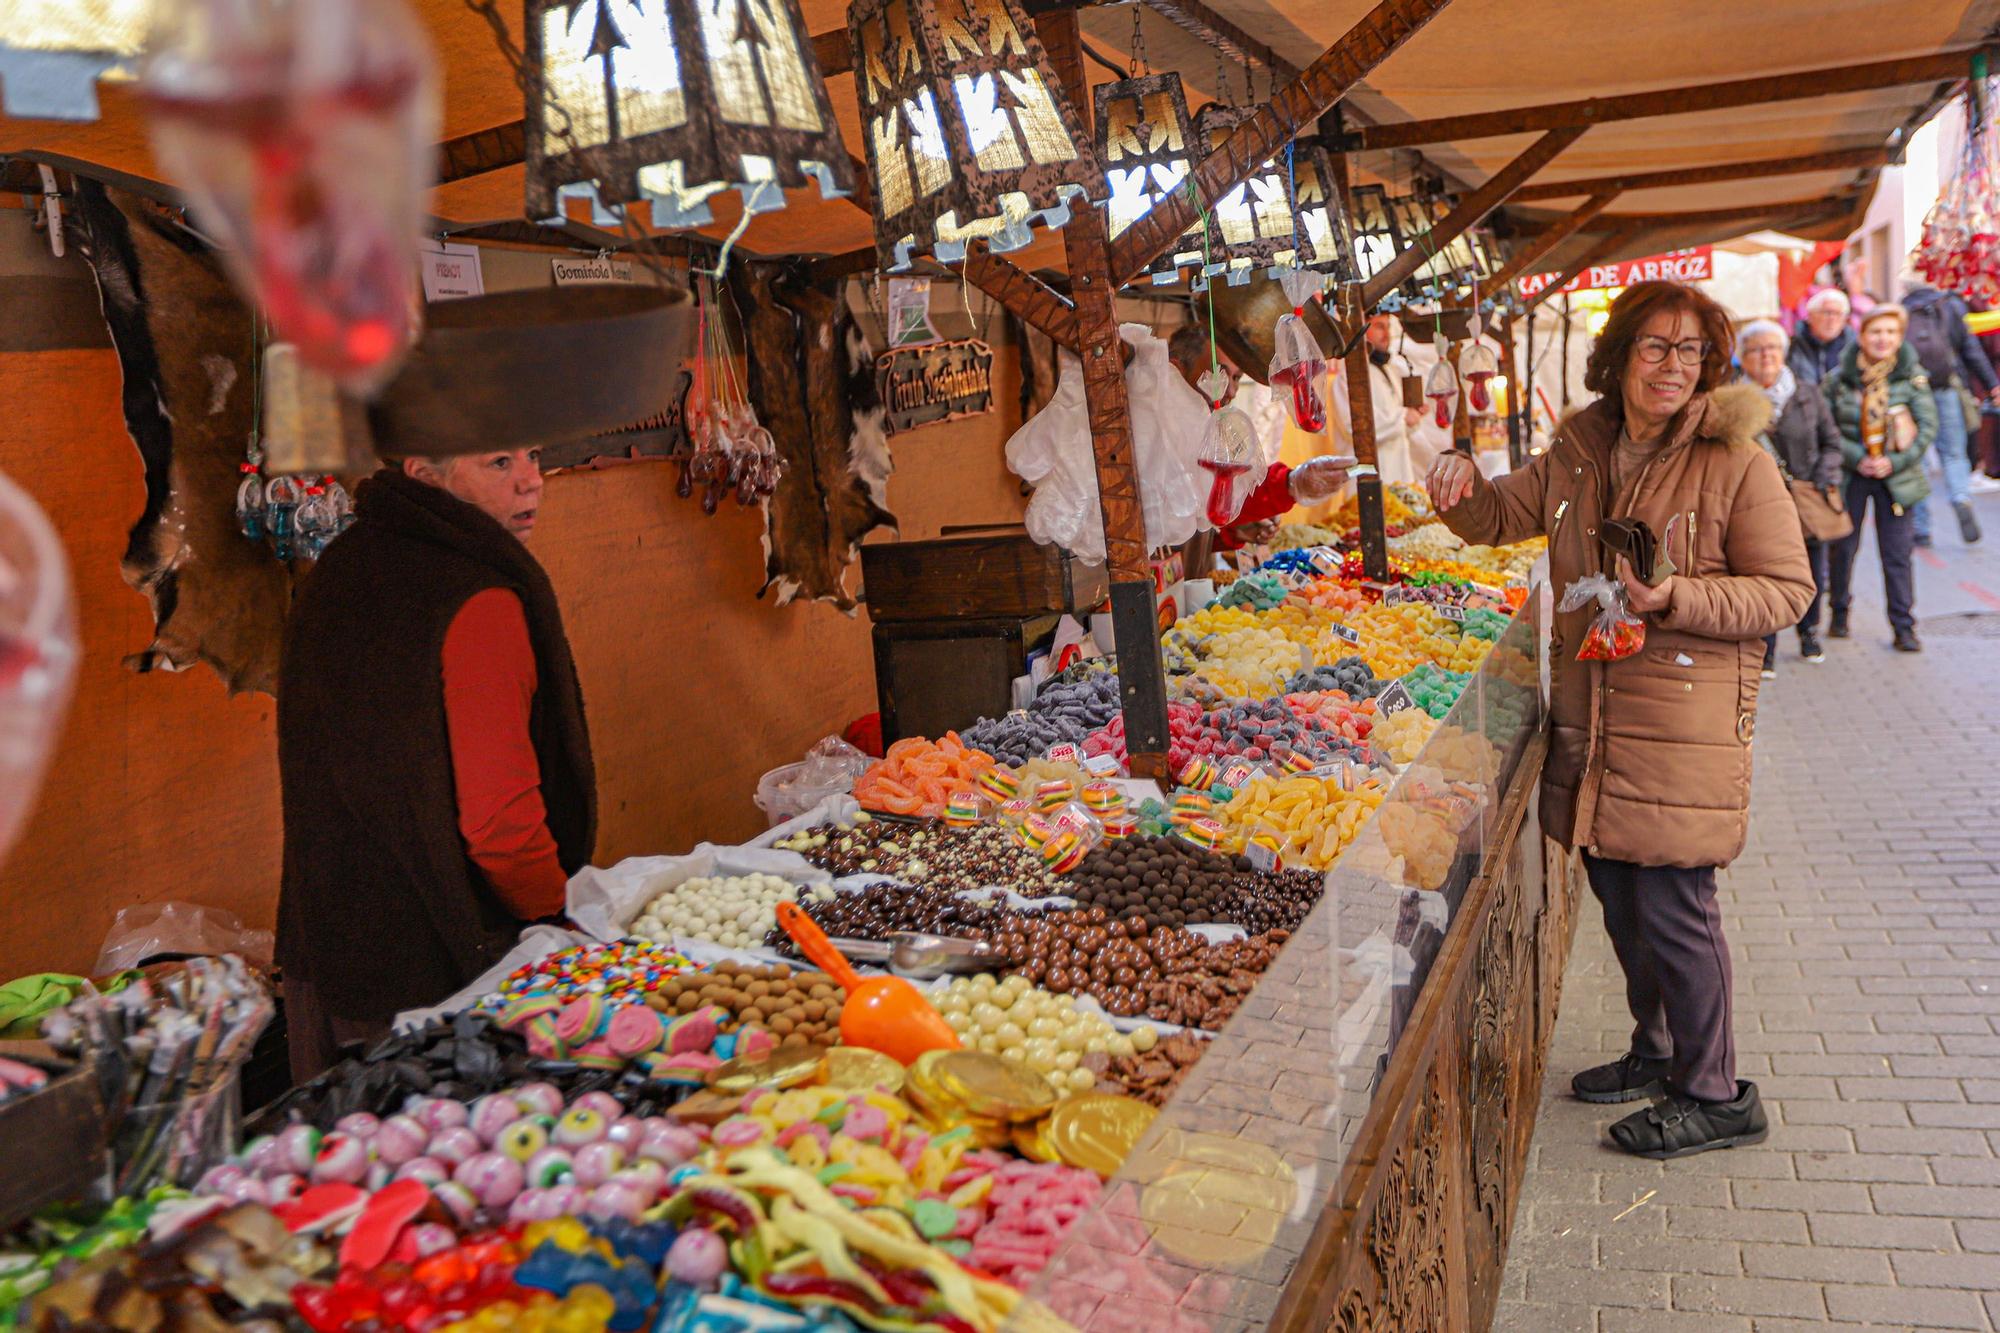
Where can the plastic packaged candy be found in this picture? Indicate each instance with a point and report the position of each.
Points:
(1228, 455)
(1441, 384)
(1297, 365)
(1477, 365)
(1615, 633)
(305, 136)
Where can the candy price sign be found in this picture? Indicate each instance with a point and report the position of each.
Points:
(939, 382)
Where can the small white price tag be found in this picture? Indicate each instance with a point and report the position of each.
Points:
(1262, 857)
(1064, 752)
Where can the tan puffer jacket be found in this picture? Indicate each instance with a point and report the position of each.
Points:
(1649, 757)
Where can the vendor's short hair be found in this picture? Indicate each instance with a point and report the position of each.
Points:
(1827, 296)
(1604, 373)
(1188, 345)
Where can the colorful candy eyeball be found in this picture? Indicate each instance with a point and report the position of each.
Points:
(219, 1178)
(494, 1180)
(608, 1201)
(429, 1238)
(263, 1155)
(457, 1201)
(626, 1132)
(379, 1174)
(341, 1159)
(455, 1144)
(248, 1189)
(594, 1163)
(284, 1187)
(567, 1200)
(648, 1177)
(539, 1099)
(360, 1124)
(427, 1169)
(550, 1167)
(522, 1139)
(668, 1142)
(298, 1145)
(532, 1205)
(580, 1125)
(491, 1115)
(400, 1139)
(440, 1113)
(601, 1102)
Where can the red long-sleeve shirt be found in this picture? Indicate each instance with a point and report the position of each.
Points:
(489, 692)
(1272, 497)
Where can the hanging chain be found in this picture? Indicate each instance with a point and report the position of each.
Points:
(1221, 77)
(1138, 43)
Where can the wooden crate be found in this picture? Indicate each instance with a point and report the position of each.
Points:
(935, 676)
(52, 1141)
(991, 576)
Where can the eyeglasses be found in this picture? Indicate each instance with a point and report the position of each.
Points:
(1652, 351)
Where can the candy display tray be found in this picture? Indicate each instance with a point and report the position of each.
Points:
(53, 1140)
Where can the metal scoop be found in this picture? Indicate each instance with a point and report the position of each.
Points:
(910, 953)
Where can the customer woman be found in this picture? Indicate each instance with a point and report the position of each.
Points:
(1882, 402)
(1805, 443)
(1648, 769)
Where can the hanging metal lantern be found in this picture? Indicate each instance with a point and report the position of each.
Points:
(1376, 239)
(53, 54)
(1326, 236)
(674, 101)
(970, 136)
(1145, 145)
(1250, 230)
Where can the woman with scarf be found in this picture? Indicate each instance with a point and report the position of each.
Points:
(1805, 443)
(1882, 403)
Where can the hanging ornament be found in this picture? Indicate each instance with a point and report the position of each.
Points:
(1297, 366)
(1441, 384)
(305, 136)
(1477, 365)
(1959, 248)
(730, 452)
(1228, 450)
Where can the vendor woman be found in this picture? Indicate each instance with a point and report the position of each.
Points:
(435, 763)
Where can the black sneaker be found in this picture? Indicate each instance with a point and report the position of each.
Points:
(1838, 629)
(1907, 642)
(1922, 539)
(1809, 647)
(1626, 1079)
(1679, 1126)
(1968, 526)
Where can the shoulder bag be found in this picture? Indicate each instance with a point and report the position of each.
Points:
(1822, 513)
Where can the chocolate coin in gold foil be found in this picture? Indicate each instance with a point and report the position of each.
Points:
(990, 1086)
(1097, 1130)
(1031, 1141)
(708, 1107)
(782, 1068)
(860, 1068)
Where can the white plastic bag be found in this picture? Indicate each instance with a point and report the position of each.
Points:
(152, 929)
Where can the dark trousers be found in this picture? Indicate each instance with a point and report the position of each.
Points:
(1893, 534)
(1817, 552)
(1667, 933)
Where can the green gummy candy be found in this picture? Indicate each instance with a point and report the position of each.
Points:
(934, 1219)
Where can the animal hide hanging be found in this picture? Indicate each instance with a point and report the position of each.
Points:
(184, 341)
(812, 382)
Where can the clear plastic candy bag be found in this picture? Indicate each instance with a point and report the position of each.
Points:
(305, 133)
(1297, 365)
(1615, 633)
(1229, 456)
(1441, 385)
(1477, 365)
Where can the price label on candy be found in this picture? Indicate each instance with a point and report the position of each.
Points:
(1397, 595)
(1347, 632)
(1456, 613)
(1394, 699)
(1236, 774)
(1101, 765)
(1064, 752)
(1263, 857)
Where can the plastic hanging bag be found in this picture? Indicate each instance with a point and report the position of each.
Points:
(1441, 385)
(1615, 633)
(1297, 365)
(1476, 366)
(151, 929)
(1228, 455)
(305, 135)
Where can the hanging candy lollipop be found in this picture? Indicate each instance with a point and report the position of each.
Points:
(1477, 365)
(1228, 451)
(1441, 384)
(1297, 364)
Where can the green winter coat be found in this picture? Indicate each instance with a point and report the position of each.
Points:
(1908, 387)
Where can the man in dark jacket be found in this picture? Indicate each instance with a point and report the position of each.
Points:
(432, 751)
(1954, 360)
(1823, 339)
(1804, 440)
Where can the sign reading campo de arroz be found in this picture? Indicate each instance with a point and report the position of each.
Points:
(939, 381)
(1696, 265)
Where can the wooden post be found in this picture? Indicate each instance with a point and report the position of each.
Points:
(1142, 680)
(1517, 445)
(1367, 488)
(1534, 247)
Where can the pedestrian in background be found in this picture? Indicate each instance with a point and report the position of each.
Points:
(1823, 339)
(1806, 445)
(1882, 402)
(1960, 377)
(1648, 769)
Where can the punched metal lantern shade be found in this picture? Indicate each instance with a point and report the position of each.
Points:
(674, 101)
(1376, 240)
(1250, 230)
(1145, 142)
(1326, 237)
(970, 135)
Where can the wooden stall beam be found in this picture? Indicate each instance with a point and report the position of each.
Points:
(1590, 256)
(1030, 299)
(834, 51)
(1142, 681)
(1670, 101)
(1292, 111)
(1467, 213)
(1717, 217)
(1213, 30)
(1853, 159)
(1541, 242)
(475, 154)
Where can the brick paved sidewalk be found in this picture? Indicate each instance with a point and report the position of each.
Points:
(1864, 921)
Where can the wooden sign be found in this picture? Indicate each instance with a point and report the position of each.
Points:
(938, 382)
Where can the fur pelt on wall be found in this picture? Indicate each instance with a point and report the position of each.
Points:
(812, 381)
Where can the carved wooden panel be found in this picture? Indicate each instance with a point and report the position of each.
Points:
(1489, 1056)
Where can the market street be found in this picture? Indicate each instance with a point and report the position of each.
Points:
(1864, 920)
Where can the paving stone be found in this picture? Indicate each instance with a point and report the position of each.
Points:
(1803, 1196)
(1937, 1200)
(1904, 1307)
(1575, 1286)
(1808, 1263)
(1983, 1237)
(1674, 1255)
(1884, 1167)
(1748, 1295)
(1860, 1231)
(1738, 1224)
(1521, 1317)
(1971, 1272)
(1670, 1321)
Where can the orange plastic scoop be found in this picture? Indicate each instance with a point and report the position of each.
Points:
(885, 1014)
